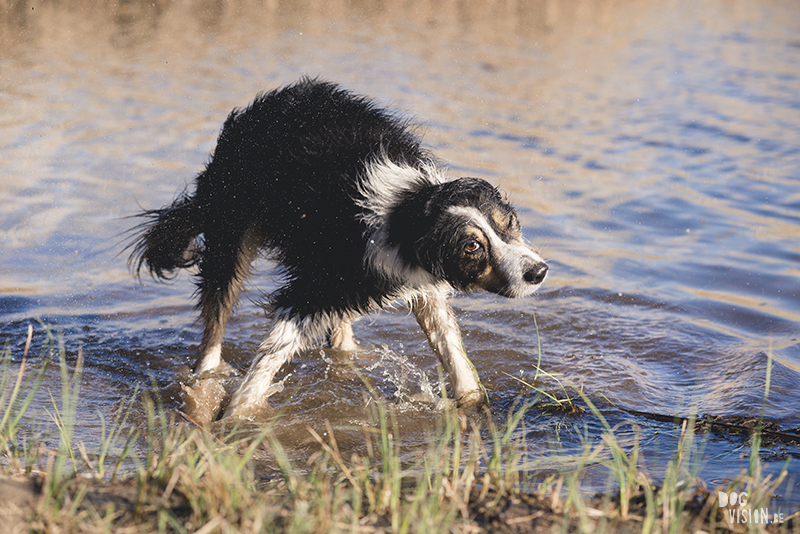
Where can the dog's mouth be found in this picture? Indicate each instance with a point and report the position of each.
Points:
(511, 286)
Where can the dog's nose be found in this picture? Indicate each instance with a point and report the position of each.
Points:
(536, 274)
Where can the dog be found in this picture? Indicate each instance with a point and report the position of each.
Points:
(343, 197)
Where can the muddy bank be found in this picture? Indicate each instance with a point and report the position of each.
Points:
(127, 508)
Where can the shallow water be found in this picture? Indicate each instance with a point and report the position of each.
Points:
(651, 148)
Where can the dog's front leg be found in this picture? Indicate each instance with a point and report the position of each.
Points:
(436, 318)
(340, 336)
(285, 339)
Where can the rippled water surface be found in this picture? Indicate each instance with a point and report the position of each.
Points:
(652, 148)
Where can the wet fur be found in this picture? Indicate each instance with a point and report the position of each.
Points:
(339, 193)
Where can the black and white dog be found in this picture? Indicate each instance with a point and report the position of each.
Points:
(342, 196)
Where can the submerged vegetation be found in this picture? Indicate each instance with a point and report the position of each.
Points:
(154, 472)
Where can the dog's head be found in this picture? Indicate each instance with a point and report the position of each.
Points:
(472, 239)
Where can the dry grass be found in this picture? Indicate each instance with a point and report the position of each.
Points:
(171, 476)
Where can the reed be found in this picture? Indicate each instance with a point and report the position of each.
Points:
(167, 475)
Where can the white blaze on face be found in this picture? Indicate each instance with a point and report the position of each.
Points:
(511, 258)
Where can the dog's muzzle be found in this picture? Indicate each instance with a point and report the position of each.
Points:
(535, 273)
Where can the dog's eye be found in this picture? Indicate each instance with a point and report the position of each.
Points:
(472, 247)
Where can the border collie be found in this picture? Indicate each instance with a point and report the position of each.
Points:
(342, 196)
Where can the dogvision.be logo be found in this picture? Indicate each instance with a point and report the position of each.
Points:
(739, 512)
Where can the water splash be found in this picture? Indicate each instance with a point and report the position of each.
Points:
(413, 388)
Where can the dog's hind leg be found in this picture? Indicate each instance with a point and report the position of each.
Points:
(340, 336)
(226, 259)
(288, 335)
(436, 318)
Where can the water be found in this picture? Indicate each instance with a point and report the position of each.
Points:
(651, 148)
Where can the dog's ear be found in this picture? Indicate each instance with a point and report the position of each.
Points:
(440, 241)
(432, 248)
(411, 223)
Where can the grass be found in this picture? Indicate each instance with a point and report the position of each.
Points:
(165, 475)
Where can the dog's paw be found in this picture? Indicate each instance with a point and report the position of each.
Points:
(471, 399)
(249, 407)
(223, 370)
(202, 400)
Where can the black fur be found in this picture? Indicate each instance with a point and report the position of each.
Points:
(294, 174)
(291, 163)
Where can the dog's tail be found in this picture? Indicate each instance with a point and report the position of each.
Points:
(166, 241)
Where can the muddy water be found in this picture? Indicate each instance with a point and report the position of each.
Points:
(651, 148)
